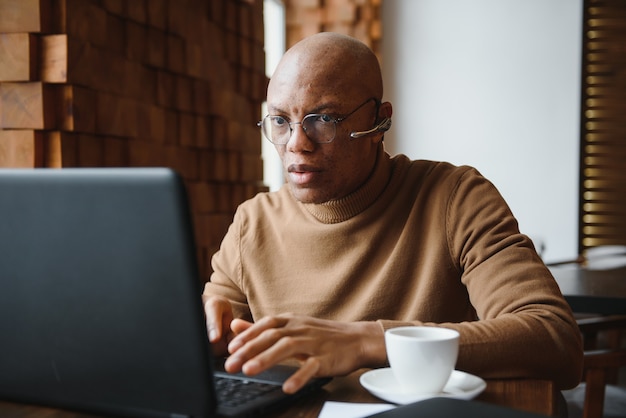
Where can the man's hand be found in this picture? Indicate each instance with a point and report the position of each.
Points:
(219, 315)
(323, 347)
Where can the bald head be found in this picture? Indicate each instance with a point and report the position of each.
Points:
(329, 77)
(330, 61)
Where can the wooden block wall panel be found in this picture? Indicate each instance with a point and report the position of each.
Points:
(116, 116)
(358, 18)
(137, 10)
(231, 17)
(136, 41)
(251, 143)
(22, 106)
(340, 11)
(203, 132)
(115, 152)
(52, 152)
(139, 83)
(201, 97)
(75, 61)
(165, 88)
(231, 47)
(62, 149)
(155, 126)
(156, 11)
(145, 154)
(233, 133)
(175, 47)
(211, 39)
(183, 93)
(90, 150)
(18, 56)
(195, 60)
(251, 167)
(219, 138)
(53, 55)
(171, 126)
(115, 6)
(212, 228)
(187, 129)
(234, 166)
(116, 34)
(258, 29)
(77, 109)
(18, 148)
(115, 78)
(183, 160)
(19, 16)
(86, 21)
(177, 18)
(36, 105)
(305, 4)
(155, 53)
(224, 197)
(202, 196)
(222, 100)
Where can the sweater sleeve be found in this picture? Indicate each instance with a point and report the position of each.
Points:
(226, 277)
(525, 326)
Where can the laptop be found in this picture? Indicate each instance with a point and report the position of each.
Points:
(100, 298)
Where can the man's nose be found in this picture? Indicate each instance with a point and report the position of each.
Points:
(298, 140)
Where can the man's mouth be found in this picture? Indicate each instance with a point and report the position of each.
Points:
(302, 174)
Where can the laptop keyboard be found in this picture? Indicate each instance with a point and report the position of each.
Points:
(236, 392)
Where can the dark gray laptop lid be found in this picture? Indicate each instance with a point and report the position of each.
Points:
(100, 303)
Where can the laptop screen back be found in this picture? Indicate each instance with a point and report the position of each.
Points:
(100, 305)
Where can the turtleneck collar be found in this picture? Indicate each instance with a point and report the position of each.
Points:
(340, 210)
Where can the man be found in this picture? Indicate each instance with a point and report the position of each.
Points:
(357, 242)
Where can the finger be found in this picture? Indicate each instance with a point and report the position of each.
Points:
(219, 315)
(237, 326)
(272, 346)
(251, 358)
(306, 372)
(240, 325)
(247, 332)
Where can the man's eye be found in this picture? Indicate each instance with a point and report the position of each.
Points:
(279, 121)
(324, 118)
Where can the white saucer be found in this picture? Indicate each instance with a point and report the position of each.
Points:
(382, 384)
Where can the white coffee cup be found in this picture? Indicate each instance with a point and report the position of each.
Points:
(422, 358)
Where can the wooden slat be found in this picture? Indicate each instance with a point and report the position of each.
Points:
(86, 21)
(18, 148)
(53, 55)
(77, 109)
(20, 16)
(37, 105)
(33, 16)
(22, 106)
(18, 57)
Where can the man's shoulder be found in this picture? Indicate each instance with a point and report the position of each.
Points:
(264, 202)
(431, 170)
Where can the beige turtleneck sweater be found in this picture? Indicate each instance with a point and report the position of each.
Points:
(420, 243)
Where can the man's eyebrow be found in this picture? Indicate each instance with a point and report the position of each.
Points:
(323, 108)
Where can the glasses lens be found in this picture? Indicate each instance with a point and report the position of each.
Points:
(276, 129)
(319, 128)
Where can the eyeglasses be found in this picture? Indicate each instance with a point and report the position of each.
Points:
(318, 127)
